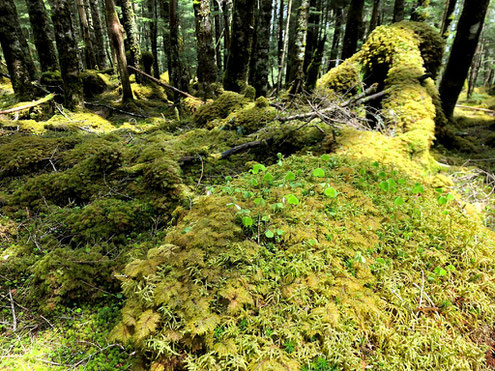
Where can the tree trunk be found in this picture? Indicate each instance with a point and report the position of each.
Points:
(302, 32)
(99, 44)
(153, 36)
(475, 68)
(164, 7)
(226, 30)
(337, 34)
(291, 68)
(259, 68)
(353, 25)
(462, 52)
(131, 30)
(313, 31)
(207, 72)
(117, 44)
(15, 57)
(448, 17)
(281, 67)
(419, 11)
(68, 56)
(374, 16)
(280, 42)
(218, 36)
(40, 24)
(89, 51)
(177, 72)
(398, 10)
(236, 71)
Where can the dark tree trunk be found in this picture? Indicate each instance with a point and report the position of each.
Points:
(68, 56)
(40, 24)
(226, 30)
(398, 10)
(131, 30)
(98, 33)
(291, 68)
(374, 16)
(313, 32)
(154, 36)
(90, 56)
(164, 7)
(462, 52)
(315, 65)
(280, 42)
(177, 72)
(419, 11)
(352, 29)
(259, 68)
(337, 34)
(448, 17)
(236, 71)
(302, 32)
(207, 72)
(218, 36)
(117, 44)
(15, 57)
(474, 70)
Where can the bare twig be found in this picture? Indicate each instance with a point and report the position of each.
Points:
(29, 105)
(202, 171)
(12, 307)
(96, 104)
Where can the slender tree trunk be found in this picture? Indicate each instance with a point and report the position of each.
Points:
(177, 72)
(164, 7)
(89, 51)
(131, 30)
(291, 66)
(280, 42)
(398, 10)
(153, 34)
(259, 68)
(474, 70)
(313, 31)
(337, 34)
(462, 52)
(448, 17)
(353, 25)
(302, 32)
(281, 67)
(207, 72)
(236, 71)
(15, 57)
(218, 36)
(40, 24)
(68, 55)
(226, 30)
(419, 11)
(98, 33)
(117, 44)
(374, 16)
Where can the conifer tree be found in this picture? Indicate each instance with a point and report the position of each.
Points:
(352, 28)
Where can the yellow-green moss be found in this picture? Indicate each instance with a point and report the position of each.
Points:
(342, 79)
(252, 117)
(220, 108)
(149, 92)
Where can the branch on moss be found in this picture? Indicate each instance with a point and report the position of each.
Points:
(96, 104)
(161, 83)
(48, 98)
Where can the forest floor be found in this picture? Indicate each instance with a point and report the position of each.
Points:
(350, 244)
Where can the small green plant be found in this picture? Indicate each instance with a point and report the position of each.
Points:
(292, 200)
(318, 172)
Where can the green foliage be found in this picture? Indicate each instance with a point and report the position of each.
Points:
(220, 108)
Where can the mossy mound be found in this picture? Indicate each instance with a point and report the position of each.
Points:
(315, 259)
(253, 117)
(220, 108)
(397, 57)
(149, 92)
(93, 83)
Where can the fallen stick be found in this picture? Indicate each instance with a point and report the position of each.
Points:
(476, 109)
(161, 83)
(48, 98)
(96, 104)
(12, 307)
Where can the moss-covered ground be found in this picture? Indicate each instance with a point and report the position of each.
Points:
(128, 242)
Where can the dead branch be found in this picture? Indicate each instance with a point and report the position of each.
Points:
(48, 98)
(12, 307)
(161, 83)
(97, 104)
(489, 111)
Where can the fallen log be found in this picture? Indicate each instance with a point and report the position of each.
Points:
(491, 112)
(48, 98)
(161, 83)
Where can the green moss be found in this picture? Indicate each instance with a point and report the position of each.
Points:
(308, 276)
(220, 108)
(93, 83)
(149, 92)
(343, 79)
(253, 117)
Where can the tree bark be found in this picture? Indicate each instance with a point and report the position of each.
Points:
(337, 34)
(398, 10)
(448, 17)
(462, 52)
(285, 49)
(117, 44)
(226, 30)
(15, 57)
(68, 56)
(280, 42)
(218, 36)
(98, 33)
(90, 56)
(474, 70)
(291, 68)
(374, 16)
(302, 32)
(131, 30)
(259, 67)
(43, 39)
(236, 71)
(164, 8)
(312, 37)
(206, 71)
(353, 25)
(177, 72)
(154, 36)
